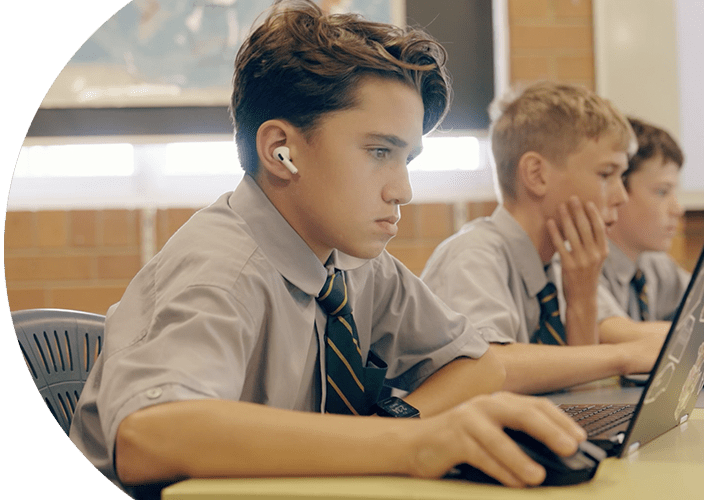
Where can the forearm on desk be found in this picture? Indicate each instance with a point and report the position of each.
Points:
(535, 369)
(217, 438)
(619, 329)
(456, 382)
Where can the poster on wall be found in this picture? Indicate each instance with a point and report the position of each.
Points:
(154, 53)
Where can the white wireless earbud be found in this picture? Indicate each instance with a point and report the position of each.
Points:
(284, 156)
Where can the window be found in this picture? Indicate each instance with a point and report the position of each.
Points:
(76, 160)
(194, 173)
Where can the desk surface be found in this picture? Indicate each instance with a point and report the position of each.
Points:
(669, 466)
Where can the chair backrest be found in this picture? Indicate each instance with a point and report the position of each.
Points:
(60, 347)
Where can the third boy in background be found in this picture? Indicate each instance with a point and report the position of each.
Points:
(640, 281)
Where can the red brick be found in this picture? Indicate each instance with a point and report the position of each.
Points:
(413, 255)
(48, 268)
(120, 228)
(51, 229)
(530, 68)
(407, 224)
(551, 37)
(519, 9)
(83, 232)
(575, 68)
(435, 220)
(95, 299)
(118, 266)
(19, 230)
(570, 9)
(26, 299)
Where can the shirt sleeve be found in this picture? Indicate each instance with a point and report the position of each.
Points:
(474, 282)
(196, 347)
(413, 330)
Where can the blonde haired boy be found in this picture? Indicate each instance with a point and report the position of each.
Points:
(560, 151)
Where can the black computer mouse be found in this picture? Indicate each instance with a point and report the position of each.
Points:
(559, 471)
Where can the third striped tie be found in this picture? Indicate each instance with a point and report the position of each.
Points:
(641, 290)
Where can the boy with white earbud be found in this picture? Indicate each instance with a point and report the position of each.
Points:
(225, 356)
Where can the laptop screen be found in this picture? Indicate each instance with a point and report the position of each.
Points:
(678, 376)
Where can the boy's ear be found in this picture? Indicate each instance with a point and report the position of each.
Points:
(533, 174)
(271, 135)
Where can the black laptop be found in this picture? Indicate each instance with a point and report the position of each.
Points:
(670, 392)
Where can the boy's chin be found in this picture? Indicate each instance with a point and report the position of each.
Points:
(661, 246)
(368, 252)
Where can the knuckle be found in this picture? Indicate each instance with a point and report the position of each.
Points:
(545, 404)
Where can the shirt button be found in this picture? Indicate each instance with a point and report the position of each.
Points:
(154, 393)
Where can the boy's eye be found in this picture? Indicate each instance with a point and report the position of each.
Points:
(380, 153)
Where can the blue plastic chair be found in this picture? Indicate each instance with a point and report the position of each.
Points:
(60, 347)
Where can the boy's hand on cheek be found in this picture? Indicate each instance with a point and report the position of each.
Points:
(582, 246)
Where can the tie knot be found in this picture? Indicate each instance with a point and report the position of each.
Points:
(333, 296)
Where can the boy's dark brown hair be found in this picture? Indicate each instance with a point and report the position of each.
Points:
(299, 64)
(652, 142)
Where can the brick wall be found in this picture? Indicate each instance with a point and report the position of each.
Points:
(551, 40)
(85, 259)
(70, 259)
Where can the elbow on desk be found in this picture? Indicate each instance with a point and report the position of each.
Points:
(138, 459)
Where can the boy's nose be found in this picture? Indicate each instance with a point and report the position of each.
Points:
(676, 208)
(619, 194)
(398, 190)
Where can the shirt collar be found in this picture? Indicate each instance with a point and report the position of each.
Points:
(284, 248)
(530, 266)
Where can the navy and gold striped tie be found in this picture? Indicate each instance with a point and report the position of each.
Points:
(550, 331)
(641, 289)
(343, 357)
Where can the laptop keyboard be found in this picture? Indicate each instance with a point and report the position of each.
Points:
(599, 418)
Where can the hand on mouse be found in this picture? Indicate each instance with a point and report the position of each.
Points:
(473, 433)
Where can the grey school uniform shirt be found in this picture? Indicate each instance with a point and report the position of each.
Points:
(491, 272)
(227, 310)
(666, 283)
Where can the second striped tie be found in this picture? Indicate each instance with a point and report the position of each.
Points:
(551, 331)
